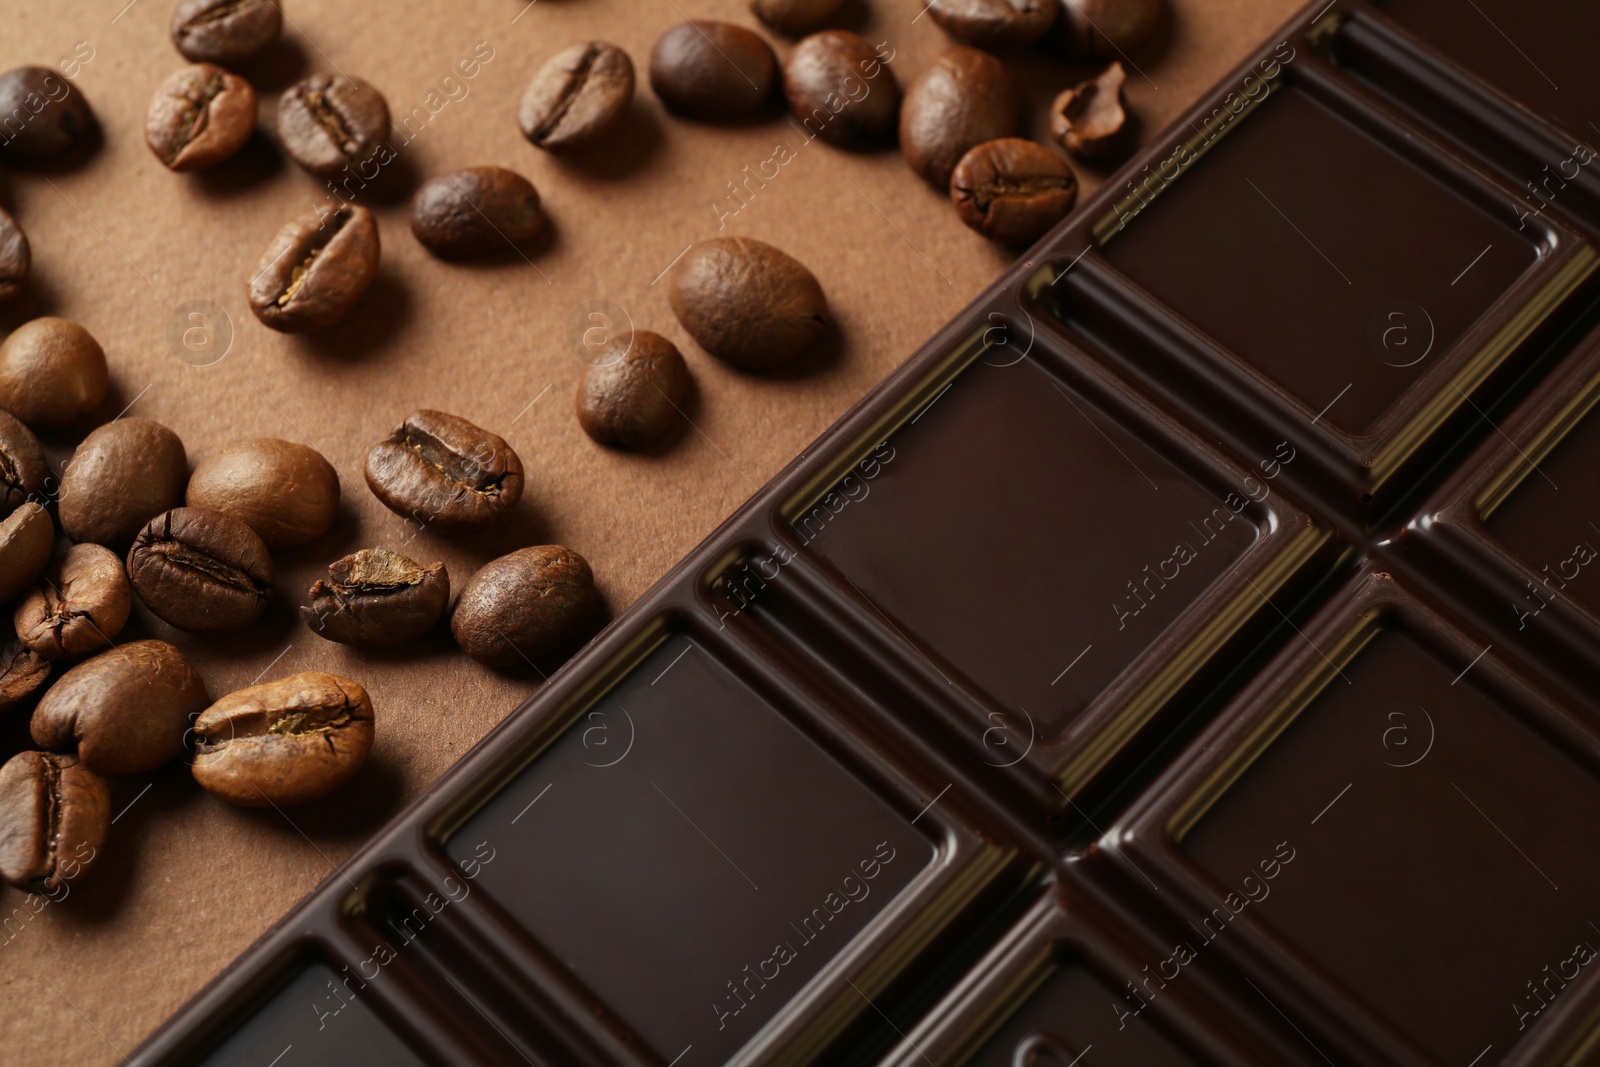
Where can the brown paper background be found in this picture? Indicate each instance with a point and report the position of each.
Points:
(118, 242)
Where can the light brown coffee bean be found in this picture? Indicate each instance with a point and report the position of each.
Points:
(578, 96)
(1012, 190)
(995, 23)
(199, 117)
(335, 127)
(748, 303)
(55, 816)
(477, 211)
(77, 608)
(440, 469)
(842, 90)
(15, 258)
(201, 570)
(1091, 119)
(23, 674)
(52, 373)
(376, 598)
(123, 475)
(525, 606)
(22, 464)
(286, 492)
(964, 98)
(795, 18)
(712, 70)
(285, 742)
(315, 269)
(26, 537)
(634, 393)
(229, 32)
(127, 709)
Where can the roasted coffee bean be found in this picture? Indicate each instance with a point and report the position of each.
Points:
(1091, 119)
(123, 475)
(285, 742)
(127, 709)
(376, 598)
(578, 96)
(15, 258)
(229, 32)
(23, 469)
(441, 469)
(23, 673)
(475, 212)
(26, 537)
(712, 70)
(199, 117)
(995, 23)
(794, 18)
(1012, 190)
(45, 115)
(966, 97)
(286, 492)
(633, 395)
(77, 608)
(747, 303)
(525, 606)
(52, 373)
(315, 269)
(1088, 30)
(55, 816)
(201, 570)
(335, 126)
(841, 89)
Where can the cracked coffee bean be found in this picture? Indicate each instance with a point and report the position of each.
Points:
(376, 598)
(332, 125)
(1012, 190)
(841, 90)
(229, 32)
(748, 303)
(1103, 30)
(995, 23)
(46, 116)
(712, 70)
(632, 395)
(285, 742)
(15, 257)
(23, 469)
(55, 816)
(127, 710)
(964, 98)
(123, 475)
(578, 96)
(26, 537)
(52, 373)
(201, 570)
(475, 212)
(1091, 119)
(315, 270)
(286, 492)
(77, 608)
(441, 469)
(525, 606)
(795, 18)
(199, 117)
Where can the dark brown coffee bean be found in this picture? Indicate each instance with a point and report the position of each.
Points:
(26, 537)
(841, 89)
(199, 117)
(315, 269)
(578, 96)
(1088, 30)
(285, 742)
(201, 570)
(475, 212)
(995, 23)
(22, 464)
(377, 598)
(42, 115)
(123, 475)
(1012, 190)
(329, 124)
(55, 816)
(15, 257)
(525, 606)
(286, 492)
(966, 97)
(712, 70)
(441, 469)
(747, 303)
(1091, 119)
(77, 608)
(52, 373)
(23, 674)
(127, 709)
(795, 18)
(633, 395)
(229, 32)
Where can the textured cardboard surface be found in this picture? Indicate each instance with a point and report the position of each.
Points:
(120, 244)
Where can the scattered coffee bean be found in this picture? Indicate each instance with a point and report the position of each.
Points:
(123, 475)
(633, 395)
(475, 212)
(286, 492)
(995, 23)
(315, 269)
(966, 97)
(795, 18)
(525, 606)
(747, 303)
(127, 709)
(441, 469)
(52, 373)
(77, 608)
(23, 673)
(329, 124)
(26, 537)
(285, 742)
(229, 32)
(15, 258)
(46, 116)
(199, 117)
(712, 70)
(841, 89)
(377, 598)
(578, 96)
(1012, 190)
(22, 464)
(201, 570)
(55, 816)
(1090, 119)
(1103, 30)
